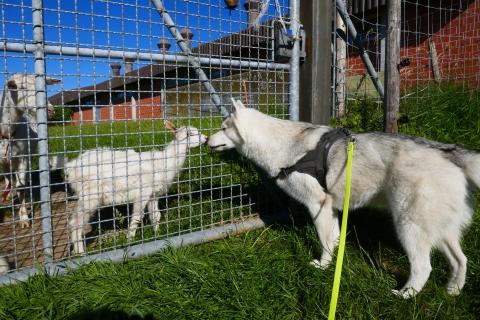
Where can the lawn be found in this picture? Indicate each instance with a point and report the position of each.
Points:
(265, 274)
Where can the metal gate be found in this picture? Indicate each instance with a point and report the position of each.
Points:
(183, 60)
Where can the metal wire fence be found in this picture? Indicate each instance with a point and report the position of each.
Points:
(438, 47)
(125, 67)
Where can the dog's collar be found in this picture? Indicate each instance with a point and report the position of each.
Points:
(315, 162)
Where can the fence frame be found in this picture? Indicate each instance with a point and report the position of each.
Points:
(40, 50)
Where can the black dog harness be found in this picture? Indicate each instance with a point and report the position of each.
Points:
(315, 162)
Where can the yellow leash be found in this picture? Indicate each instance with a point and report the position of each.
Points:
(343, 235)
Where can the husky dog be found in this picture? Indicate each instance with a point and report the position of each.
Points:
(425, 184)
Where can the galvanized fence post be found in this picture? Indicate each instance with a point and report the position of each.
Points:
(41, 104)
(294, 60)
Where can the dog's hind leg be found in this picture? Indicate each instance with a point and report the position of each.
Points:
(418, 248)
(450, 247)
(328, 230)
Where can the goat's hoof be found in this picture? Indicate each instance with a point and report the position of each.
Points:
(24, 224)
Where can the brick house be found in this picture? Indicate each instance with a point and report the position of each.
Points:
(448, 30)
(111, 100)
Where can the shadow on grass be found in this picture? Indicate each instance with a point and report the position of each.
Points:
(370, 231)
(106, 314)
(266, 199)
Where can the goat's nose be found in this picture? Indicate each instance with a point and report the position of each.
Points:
(206, 139)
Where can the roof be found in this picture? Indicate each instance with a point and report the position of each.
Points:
(238, 44)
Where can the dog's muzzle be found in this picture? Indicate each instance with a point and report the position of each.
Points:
(217, 146)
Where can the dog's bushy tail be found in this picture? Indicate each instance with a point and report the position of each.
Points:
(471, 167)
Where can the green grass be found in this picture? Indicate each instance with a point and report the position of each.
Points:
(265, 274)
(260, 275)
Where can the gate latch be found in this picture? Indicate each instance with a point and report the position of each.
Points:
(283, 41)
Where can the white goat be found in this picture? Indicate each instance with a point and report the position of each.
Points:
(18, 130)
(108, 176)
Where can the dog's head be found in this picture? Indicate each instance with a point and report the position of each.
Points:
(229, 136)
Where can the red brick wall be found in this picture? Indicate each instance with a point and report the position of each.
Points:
(147, 108)
(457, 42)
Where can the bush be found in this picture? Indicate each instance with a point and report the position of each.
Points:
(62, 114)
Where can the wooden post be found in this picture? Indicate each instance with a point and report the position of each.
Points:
(316, 71)
(434, 61)
(392, 73)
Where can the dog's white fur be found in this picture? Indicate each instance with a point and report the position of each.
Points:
(18, 130)
(424, 184)
(108, 176)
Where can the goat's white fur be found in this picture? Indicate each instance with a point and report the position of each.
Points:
(3, 265)
(108, 176)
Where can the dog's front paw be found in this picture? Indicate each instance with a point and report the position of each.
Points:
(319, 264)
(405, 293)
(453, 291)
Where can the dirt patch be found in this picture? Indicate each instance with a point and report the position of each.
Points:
(23, 247)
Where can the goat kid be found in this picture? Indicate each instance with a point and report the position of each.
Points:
(107, 176)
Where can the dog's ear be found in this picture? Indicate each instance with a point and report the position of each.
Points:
(53, 80)
(170, 126)
(11, 84)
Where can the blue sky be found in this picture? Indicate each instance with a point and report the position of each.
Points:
(131, 25)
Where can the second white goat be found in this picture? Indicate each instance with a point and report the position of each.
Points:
(107, 176)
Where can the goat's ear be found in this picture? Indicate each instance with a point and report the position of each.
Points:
(53, 80)
(170, 126)
(11, 84)
(237, 104)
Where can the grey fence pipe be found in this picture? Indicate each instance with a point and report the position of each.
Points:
(363, 53)
(193, 61)
(117, 54)
(294, 109)
(144, 249)
(42, 131)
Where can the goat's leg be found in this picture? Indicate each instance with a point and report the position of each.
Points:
(78, 220)
(6, 177)
(137, 215)
(4, 267)
(155, 213)
(8, 165)
(20, 185)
